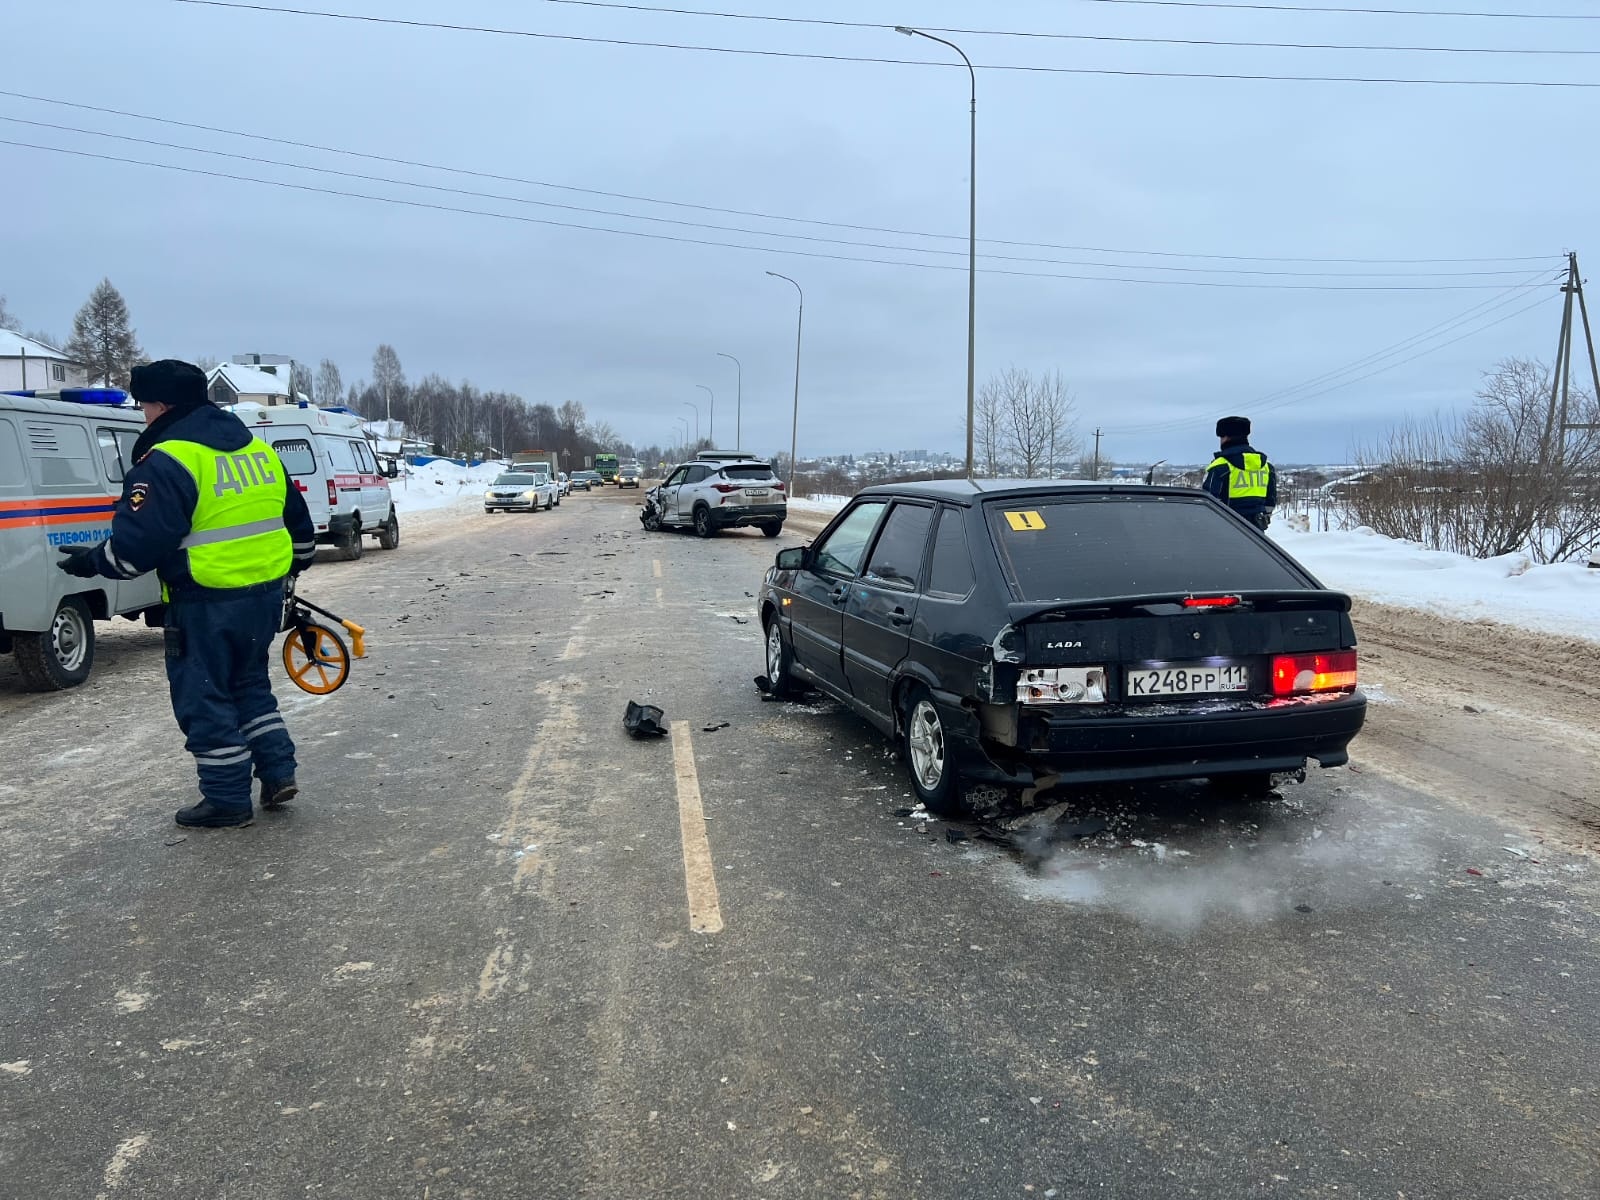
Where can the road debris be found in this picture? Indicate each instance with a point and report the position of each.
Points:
(643, 720)
(714, 726)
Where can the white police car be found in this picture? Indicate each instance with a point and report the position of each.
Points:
(62, 458)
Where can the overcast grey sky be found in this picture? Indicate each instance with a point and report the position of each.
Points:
(630, 325)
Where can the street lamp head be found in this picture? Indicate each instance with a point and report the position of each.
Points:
(903, 29)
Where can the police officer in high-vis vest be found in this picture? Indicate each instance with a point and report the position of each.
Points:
(1240, 475)
(210, 508)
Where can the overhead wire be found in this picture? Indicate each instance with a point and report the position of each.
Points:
(1245, 6)
(1044, 35)
(1034, 260)
(1333, 379)
(789, 250)
(739, 212)
(1025, 68)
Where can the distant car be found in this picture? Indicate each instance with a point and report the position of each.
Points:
(1017, 633)
(564, 481)
(586, 480)
(524, 490)
(628, 476)
(712, 494)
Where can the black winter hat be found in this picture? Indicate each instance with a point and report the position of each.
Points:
(1233, 427)
(171, 382)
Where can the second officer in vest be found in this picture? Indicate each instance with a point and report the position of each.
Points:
(1240, 475)
(209, 506)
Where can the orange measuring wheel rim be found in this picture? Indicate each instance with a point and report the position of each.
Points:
(325, 668)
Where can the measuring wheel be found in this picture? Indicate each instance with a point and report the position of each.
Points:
(316, 658)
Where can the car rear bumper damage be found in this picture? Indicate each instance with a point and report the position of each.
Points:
(1157, 744)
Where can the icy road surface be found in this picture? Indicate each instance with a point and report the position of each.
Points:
(498, 950)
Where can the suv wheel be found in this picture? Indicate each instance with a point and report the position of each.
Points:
(922, 739)
(650, 518)
(389, 535)
(772, 528)
(62, 655)
(702, 522)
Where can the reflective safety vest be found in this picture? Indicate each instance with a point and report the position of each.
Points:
(1248, 482)
(237, 537)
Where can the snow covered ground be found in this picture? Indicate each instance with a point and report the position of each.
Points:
(1559, 598)
(440, 483)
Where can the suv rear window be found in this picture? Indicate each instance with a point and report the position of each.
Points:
(748, 471)
(1064, 548)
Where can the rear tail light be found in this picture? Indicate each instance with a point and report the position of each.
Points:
(1210, 601)
(778, 486)
(726, 487)
(333, 495)
(1062, 685)
(1302, 674)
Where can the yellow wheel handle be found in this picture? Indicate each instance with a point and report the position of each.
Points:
(316, 658)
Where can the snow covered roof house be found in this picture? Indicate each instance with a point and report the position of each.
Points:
(26, 363)
(267, 385)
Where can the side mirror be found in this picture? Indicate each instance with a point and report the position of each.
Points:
(792, 559)
(391, 470)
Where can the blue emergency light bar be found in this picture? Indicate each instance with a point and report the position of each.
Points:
(76, 395)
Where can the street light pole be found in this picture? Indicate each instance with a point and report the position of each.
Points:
(972, 235)
(794, 428)
(712, 432)
(696, 408)
(738, 402)
(685, 422)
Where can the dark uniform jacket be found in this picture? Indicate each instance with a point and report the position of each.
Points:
(159, 497)
(1216, 482)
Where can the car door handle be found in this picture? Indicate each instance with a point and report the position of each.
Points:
(839, 594)
(899, 616)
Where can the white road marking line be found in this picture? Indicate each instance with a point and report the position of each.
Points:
(699, 872)
(553, 754)
(659, 602)
(655, 568)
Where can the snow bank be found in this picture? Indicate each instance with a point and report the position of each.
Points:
(441, 483)
(1561, 598)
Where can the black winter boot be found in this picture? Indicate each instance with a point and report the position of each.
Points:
(207, 815)
(276, 795)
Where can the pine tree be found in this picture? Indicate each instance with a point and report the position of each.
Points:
(102, 340)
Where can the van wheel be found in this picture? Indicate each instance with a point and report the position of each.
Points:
(61, 656)
(350, 544)
(389, 535)
(934, 777)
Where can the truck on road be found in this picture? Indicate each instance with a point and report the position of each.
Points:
(606, 465)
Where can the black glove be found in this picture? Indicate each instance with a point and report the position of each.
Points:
(79, 561)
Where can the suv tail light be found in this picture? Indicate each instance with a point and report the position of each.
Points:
(1301, 674)
(777, 485)
(1210, 601)
(333, 495)
(726, 487)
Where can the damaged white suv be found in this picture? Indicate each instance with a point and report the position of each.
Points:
(718, 491)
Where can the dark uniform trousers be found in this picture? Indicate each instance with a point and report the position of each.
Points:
(217, 655)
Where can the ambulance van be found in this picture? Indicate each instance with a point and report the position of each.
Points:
(62, 458)
(330, 460)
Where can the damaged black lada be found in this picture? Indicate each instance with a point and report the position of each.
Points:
(1026, 633)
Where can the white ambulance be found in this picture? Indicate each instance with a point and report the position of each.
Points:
(62, 458)
(330, 460)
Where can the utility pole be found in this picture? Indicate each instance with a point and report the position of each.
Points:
(1557, 426)
(1097, 436)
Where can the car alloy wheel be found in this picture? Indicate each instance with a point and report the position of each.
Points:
(702, 522)
(934, 777)
(780, 664)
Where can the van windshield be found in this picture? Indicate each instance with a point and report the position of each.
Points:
(1073, 548)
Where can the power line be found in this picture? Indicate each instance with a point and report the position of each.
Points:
(822, 22)
(1297, 393)
(1023, 68)
(663, 237)
(1328, 8)
(739, 212)
(605, 212)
